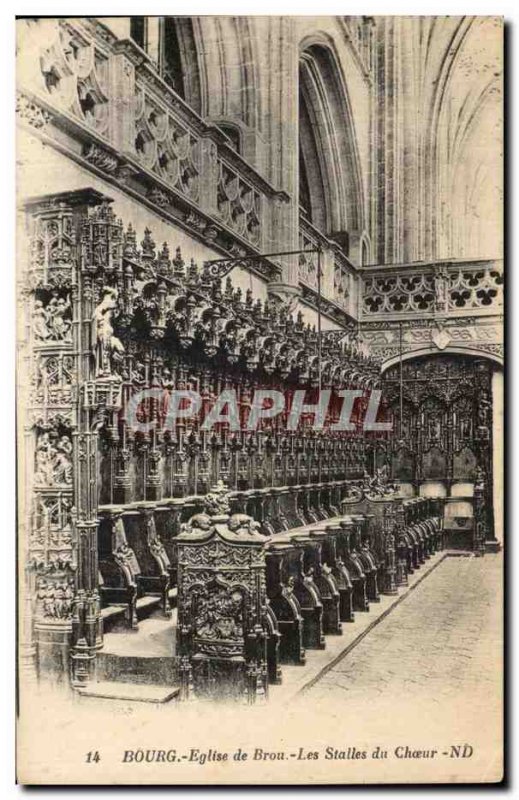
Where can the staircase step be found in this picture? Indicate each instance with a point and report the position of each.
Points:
(136, 669)
(142, 693)
(144, 656)
(146, 604)
(155, 636)
(111, 612)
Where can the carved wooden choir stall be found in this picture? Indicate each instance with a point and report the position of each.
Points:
(268, 540)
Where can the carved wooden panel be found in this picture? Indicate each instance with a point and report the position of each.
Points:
(446, 423)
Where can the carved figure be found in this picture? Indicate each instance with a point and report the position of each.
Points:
(484, 406)
(479, 483)
(199, 523)
(109, 349)
(219, 615)
(122, 551)
(55, 599)
(40, 325)
(217, 500)
(441, 290)
(62, 466)
(44, 459)
(53, 461)
(60, 325)
(242, 524)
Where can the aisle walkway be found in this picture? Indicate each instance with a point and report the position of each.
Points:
(445, 636)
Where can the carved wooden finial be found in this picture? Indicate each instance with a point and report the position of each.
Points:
(216, 502)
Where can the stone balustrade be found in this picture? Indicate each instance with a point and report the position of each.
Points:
(450, 288)
(101, 100)
(339, 281)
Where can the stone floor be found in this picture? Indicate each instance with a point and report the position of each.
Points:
(297, 679)
(445, 636)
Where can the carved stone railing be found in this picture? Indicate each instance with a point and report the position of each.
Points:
(448, 288)
(101, 101)
(338, 275)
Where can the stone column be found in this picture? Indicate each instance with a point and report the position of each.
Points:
(283, 167)
(73, 237)
(54, 522)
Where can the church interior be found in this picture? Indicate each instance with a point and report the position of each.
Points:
(234, 204)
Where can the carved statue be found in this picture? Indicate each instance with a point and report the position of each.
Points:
(242, 524)
(441, 290)
(216, 502)
(109, 349)
(352, 493)
(167, 379)
(199, 523)
(479, 482)
(434, 429)
(44, 458)
(40, 325)
(53, 461)
(55, 598)
(484, 408)
(465, 429)
(52, 323)
(155, 545)
(60, 325)
(63, 461)
(378, 485)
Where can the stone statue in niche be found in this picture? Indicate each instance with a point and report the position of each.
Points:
(40, 325)
(441, 289)
(59, 312)
(434, 429)
(55, 598)
(44, 457)
(167, 379)
(108, 349)
(63, 461)
(465, 428)
(138, 376)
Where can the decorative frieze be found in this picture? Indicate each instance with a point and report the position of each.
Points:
(31, 113)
